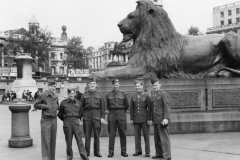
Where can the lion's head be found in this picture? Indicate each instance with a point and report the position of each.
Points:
(157, 45)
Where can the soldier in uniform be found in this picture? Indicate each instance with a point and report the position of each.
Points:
(93, 106)
(117, 104)
(48, 103)
(160, 119)
(140, 115)
(69, 113)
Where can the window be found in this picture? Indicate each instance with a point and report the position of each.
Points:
(222, 23)
(222, 14)
(61, 55)
(5, 65)
(40, 68)
(57, 90)
(109, 56)
(52, 55)
(237, 10)
(53, 70)
(229, 21)
(229, 12)
(61, 70)
(109, 45)
(237, 20)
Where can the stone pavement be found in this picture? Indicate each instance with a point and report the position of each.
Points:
(205, 146)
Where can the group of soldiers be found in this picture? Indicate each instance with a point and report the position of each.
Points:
(144, 112)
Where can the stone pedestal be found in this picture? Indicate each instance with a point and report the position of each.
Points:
(24, 79)
(20, 136)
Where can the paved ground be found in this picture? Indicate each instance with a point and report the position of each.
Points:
(208, 146)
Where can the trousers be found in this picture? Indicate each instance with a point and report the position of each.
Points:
(88, 126)
(162, 141)
(117, 120)
(48, 138)
(72, 127)
(146, 131)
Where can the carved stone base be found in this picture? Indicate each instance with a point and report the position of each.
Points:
(15, 142)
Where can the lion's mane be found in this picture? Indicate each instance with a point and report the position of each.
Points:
(158, 47)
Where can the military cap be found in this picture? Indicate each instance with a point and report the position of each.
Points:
(154, 81)
(137, 81)
(51, 83)
(115, 81)
(92, 80)
(69, 90)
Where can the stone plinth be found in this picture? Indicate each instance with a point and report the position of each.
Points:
(24, 79)
(20, 136)
(197, 105)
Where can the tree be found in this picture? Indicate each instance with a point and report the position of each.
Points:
(77, 55)
(36, 41)
(194, 31)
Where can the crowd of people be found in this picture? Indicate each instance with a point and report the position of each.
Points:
(10, 96)
(145, 110)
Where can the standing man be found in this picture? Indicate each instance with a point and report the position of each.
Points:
(93, 106)
(69, 113)
(78, 93)
(140, 115)
(48, 103)
(160, 119)
(117, 104)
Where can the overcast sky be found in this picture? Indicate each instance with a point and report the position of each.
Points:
(96, 20)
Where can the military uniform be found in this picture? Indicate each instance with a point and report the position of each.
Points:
(160, 111)
(140, 113)
(117, 104)
(93, 106)
(48, 103)
(69, 113)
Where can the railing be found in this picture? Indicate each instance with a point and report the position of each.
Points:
(224, 26)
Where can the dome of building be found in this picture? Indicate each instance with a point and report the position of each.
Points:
(33, 20)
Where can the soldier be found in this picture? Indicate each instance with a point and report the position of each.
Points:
(160, 119)
(93, 106)
(140, 115)
(48, 103)
(117, 104)
(78, 94)
(69, 113)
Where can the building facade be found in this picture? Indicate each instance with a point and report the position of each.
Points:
(56, 45)
(101, 57)
(226, 18)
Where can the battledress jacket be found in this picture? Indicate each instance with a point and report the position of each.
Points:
(92, 101)
(48, 104)
(140, 111)
(160, 106)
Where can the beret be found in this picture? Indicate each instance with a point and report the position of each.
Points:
(69, 90)
(115, 81)
(154, 81)
(51, 83)
(137, 81)
(92, 80)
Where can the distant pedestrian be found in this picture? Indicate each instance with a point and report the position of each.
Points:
(70, 114)
(160, 119)
(78, 93)
(48, 103)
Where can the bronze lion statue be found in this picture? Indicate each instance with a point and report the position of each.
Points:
(160, 51)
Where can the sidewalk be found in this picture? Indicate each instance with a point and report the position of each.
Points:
(207, 146)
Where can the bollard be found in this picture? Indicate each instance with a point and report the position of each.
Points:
(20, 136)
